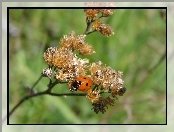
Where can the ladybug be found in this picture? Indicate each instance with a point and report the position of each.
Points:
(81, 83)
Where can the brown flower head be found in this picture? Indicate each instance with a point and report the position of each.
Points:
(67, 40)
(48, 55)
(74, 67)
(107, 12)
(106, 30)
(62, 57)
(102, 104)
(96, 73)
(96, 25)
(74, 42)
(109, 79)
(93, 96)
(91, 13)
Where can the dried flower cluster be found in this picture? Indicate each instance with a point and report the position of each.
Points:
(65, 65)
(93, 17)
(107, 80)
(101, 105)
(105, 29)
(93, 95)
(76, 43)
(93, 13)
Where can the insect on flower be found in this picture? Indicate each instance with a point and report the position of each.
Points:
(81, 83)
(121, 91)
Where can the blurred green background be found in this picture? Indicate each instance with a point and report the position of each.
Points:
(137, 46)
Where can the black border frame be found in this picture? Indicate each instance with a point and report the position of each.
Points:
(8, 8)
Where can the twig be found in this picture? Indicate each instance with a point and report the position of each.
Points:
(46, 92)
(90, 32)
(24, 99)
(68, 94)
(36, 82)
(42, 93)
(88, 28)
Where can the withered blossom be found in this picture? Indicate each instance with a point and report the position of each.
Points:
(96, 73)
(106, 80)
(102, 104)
(86, 49)
(93, 95)
(77, 43)
(105, 29)
(67, 63)
(109, 79)
(107, 12)
(47, 72)
(62, 57)
(48, 55)
(75, 67)
(93, 17)
(96, 25)
(91, 13)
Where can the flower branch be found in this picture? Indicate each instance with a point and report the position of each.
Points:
(64, 66)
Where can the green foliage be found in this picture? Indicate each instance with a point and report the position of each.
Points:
(137, 46)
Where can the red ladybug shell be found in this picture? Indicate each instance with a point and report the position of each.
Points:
(82, 83)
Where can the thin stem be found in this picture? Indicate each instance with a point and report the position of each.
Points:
(46, 92)
(36, 82)
(24, 99)
(68, 94)
(88, 28)
(42, 93)
(91, 32)
(51, 85)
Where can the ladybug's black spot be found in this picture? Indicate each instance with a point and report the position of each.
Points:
(79, 82)
(86, 84)
(84, 78)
